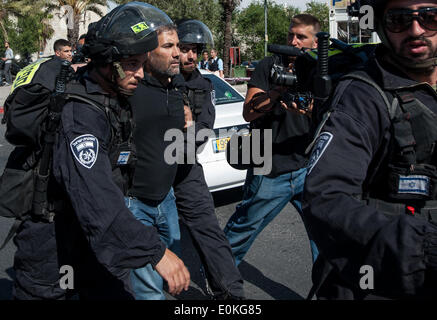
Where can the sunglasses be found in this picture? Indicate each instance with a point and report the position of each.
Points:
(399, 20)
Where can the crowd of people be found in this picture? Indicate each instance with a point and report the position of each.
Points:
(359, 169)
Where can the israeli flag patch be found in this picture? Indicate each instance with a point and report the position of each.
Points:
(85, 149)
(414, 185)
(319, 148)
(123, 158)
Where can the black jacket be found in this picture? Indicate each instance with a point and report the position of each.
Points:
(156, 109)
(82, 168)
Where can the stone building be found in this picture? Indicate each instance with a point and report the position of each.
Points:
(59, 25)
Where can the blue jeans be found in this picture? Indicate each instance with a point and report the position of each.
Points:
(263, 200)
(146, 282)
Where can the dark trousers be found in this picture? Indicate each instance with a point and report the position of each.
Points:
(196, 209)
(8, 76)
(43, 248)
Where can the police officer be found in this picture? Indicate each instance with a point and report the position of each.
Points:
(215, 64)
(95, 234)
(194, 201)
(370, 193)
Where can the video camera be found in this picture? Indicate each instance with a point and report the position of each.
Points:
(309, 78)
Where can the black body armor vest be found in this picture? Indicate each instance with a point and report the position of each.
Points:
(122, 152)
(213, 65)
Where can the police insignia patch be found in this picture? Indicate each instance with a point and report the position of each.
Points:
(319, 148)
(85, 149)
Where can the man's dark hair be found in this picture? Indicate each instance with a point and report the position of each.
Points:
(166, 28)
(307, 20)
(205, 51)
(61, 43)
(82, 36)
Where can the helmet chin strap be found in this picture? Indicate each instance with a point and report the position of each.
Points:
(121, 74)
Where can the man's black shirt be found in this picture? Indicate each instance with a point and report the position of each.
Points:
(290, 131)
(156, 109)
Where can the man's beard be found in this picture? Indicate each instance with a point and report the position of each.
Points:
(188, 68)
(169, 72)
(418, 58)
(422, 63)
(160, 71)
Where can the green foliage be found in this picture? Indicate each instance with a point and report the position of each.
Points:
(321, 12)
(28, 33)
(250, 27)
(24, 37)
(209, 12)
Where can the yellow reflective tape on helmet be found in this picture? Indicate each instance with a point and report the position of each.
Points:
(26, 74)
(139, 27)
(331, 52)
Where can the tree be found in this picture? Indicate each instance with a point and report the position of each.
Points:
(12, 8)
(207, 11)
(321, 12)
(24, 35)
(250, 27)
(228, 9)
(30, 28)
(79, 9)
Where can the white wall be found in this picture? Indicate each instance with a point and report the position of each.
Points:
(59, 24)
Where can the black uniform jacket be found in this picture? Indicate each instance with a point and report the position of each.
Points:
(206, 118)
(348, 233)
(82, 168)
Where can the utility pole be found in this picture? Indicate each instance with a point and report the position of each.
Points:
(266, 37)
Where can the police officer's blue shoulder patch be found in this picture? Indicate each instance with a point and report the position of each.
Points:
(319, 148)
(85, 149)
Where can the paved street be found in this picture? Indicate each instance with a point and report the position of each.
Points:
(277, 266)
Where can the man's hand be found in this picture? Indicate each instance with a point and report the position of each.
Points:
(173, 270)
(4, 59)
(77, 66)
(293, 108)
(188, 117)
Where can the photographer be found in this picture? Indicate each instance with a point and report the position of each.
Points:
(265, 196)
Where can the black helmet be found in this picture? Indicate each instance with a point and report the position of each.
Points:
(128, 29)
(195, 31)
